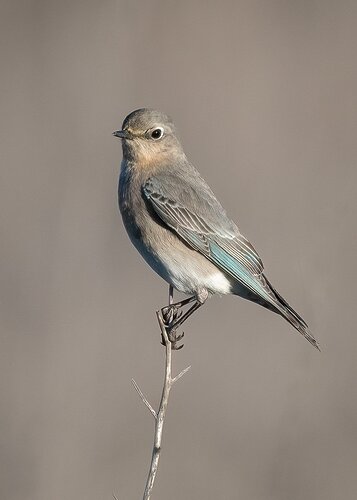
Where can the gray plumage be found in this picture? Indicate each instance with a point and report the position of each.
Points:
(177, 224)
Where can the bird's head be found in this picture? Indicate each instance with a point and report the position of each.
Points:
(148, 136)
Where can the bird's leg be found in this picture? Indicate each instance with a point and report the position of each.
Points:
(184, 302)
(171, 294)
(170, 312)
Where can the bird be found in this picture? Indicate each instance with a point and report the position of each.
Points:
(177, 224)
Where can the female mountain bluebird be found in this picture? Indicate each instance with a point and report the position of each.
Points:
(177, 224)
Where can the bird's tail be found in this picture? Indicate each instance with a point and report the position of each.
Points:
(285, 310)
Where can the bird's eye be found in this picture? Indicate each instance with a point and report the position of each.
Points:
(157, 133)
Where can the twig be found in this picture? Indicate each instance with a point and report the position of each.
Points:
(145, 401)
(160, 414)
(181, 374)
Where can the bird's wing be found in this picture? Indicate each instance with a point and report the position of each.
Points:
(192, 211)
(203, 225)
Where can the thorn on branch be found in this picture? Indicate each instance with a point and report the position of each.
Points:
(181, 374)
(145, 401)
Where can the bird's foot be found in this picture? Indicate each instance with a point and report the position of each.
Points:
(170, 315)
(174, 338)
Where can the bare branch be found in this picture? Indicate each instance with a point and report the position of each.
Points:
(145, 401)
(161, 413)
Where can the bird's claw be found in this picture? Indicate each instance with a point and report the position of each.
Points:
(170, 314)
(174, 338)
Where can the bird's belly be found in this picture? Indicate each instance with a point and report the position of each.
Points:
(195, 275)
(185, 269)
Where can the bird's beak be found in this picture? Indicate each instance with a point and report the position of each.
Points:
(122, 134)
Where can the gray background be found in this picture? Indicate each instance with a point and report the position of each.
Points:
(264, 97)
